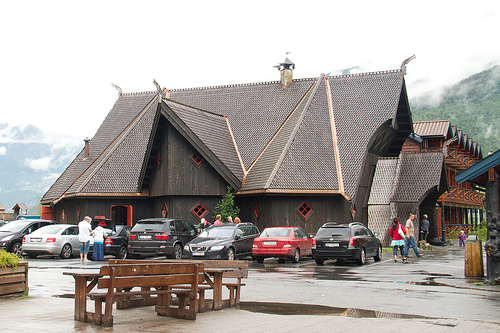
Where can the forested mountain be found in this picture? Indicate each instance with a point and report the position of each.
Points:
(473, 105)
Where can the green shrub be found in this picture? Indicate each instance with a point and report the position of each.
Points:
(481, 231)
(8, 259)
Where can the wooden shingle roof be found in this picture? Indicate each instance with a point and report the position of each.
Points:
(115, 152)
(407, 179)
(311, 136)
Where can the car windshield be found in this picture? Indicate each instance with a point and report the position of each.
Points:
(50, 229)
(217, 233)
(14, 226)
(149, 226)
(275, 232)
(327, 232)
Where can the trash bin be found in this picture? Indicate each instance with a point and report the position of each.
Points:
(473, 257)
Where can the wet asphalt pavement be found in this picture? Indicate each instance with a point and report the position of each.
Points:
(427, 294)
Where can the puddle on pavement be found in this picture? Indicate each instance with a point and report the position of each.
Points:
(319, 310)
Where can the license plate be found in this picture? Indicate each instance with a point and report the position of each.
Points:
(144, 236)
(269, 243)
(332, 244)
(35, 240)
(198, 254)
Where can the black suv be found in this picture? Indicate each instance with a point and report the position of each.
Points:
(160, 236)
(226, 241)
(11, 234)
(345, 241)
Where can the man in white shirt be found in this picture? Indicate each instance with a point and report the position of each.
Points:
(84, 230)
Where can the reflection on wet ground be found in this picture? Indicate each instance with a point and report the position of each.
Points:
(319, 310)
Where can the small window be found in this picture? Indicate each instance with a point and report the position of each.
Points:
(197, 158)
(305, 209)
(199, 210)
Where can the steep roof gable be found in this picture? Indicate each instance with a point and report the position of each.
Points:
(211, 135)
(125, 112)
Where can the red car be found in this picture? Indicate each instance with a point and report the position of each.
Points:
(282, 242)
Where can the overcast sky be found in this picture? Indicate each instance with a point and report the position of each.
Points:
(59, 58)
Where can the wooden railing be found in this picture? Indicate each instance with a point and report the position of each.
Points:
(461, 195)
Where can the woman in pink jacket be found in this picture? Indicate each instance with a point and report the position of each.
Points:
(397, 233)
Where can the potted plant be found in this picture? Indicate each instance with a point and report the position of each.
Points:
(13, 275)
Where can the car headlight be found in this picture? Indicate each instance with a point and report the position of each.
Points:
(217, 248)
(7, 238)
(186, 247)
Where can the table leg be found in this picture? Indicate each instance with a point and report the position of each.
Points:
(217, 290)
(80, 298)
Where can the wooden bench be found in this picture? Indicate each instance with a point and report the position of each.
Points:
(233, 271)
(153, 279)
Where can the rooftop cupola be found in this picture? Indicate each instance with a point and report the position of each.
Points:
(286, 68)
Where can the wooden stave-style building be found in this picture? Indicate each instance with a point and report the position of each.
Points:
(143, 161)
(421, 181)
(461, 206)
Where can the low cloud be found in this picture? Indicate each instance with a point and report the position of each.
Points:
(40, 164)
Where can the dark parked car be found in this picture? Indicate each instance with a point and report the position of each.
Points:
(11, 234)
(282, 242)
(346, 241)
(226, 241)
(116, 243)
(160, 236)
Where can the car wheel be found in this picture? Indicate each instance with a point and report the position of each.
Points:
(122, 253)
(17, 249)
(178, 251)
(260, 260)
(65, 252)
(378, 256)
(319, 261)
(230, 254)
(32, 255)
(296, 256)
(362, 258)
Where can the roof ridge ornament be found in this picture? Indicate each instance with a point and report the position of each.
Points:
(162, 91)
(405, 62)
(117, 88)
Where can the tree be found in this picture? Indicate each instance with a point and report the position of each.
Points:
(226, 207)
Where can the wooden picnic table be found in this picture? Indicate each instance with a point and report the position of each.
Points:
(85, 281)
(213, 276)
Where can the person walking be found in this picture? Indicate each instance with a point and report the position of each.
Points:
(98, 250)
(84, 230)
(424, 227)
(230, 219)
(397, 233)
(410, 237)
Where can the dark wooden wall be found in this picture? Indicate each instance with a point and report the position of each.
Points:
(282, 210)
(178, 174)
(141, 208)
